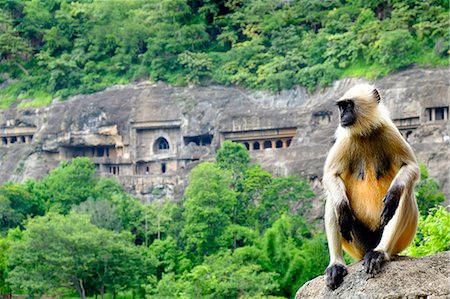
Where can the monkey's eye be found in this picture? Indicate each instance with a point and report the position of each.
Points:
(346, 104)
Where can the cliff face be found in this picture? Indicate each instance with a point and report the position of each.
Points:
(150, 135)
(403, 277)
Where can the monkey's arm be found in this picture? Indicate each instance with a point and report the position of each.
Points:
(336, 269)
(336, 195)
(337, 221)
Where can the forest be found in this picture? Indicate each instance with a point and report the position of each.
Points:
(238, 232)
(57, 48)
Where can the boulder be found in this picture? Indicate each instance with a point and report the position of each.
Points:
(403, 277)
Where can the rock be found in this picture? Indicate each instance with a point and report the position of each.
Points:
(403, 277)
(125, 122)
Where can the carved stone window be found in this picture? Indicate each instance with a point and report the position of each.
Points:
(161, 144)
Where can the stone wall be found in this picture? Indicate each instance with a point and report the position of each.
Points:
(120, 129)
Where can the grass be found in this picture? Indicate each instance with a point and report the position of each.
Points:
(9, 95)
(360, 69)
(38, 99)
(13, 93)
(430, 59)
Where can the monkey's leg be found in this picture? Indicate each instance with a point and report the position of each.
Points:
(399, 219)
(336, 270)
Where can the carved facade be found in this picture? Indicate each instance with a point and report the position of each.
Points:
(150, 136)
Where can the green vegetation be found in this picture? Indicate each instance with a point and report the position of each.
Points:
(237, 233)
(61, 47)
(427, 192)
(433, 232)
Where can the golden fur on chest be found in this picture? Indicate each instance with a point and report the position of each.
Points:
(368, 173)
(366, 194)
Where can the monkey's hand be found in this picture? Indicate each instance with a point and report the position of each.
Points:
(373, 260)
(345, 220)
(335, 275)
(390, 204)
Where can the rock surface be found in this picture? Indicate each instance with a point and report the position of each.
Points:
(128, 120)
(403, 277)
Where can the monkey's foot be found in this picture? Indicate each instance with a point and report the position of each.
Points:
(335, 275)
(373, 260)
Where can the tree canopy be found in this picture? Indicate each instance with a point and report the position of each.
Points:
(238, 232)
(62, 47)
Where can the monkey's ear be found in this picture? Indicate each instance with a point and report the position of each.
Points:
(376, 95)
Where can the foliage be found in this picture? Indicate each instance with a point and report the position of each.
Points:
(59, 48)
(239, 232)
(69, 184)
(59, 251)
(427, 192)
(4, 286)
(208, 207)
(283, 194)
(17, 202)
(223, 275)
(433, 233)
(233, 156)
(102, 213)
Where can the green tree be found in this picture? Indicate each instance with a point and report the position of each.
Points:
(17, 203)
(427, 192)
(283, 195)
(233, 156)
(394, 48)
(197, 66)
(169, 259)
(69, 184)
(59, 251)
(254, 184)
(9, 218)
(14, 50)
(208, 209)
(4, 286)
(292, 254)
(102, 213)
(220, 276)
(433, 233)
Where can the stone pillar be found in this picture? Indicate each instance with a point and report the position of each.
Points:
(250, 146)
(273, 144)
(284, 143)
(27, 139)
(433, 114)
(9, 140)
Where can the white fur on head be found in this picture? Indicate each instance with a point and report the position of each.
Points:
(369, 112)
(363, 92)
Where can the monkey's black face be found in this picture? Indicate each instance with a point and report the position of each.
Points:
(347, 112)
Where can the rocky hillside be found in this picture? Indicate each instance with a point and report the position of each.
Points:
(122, 127)
(404, 277)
